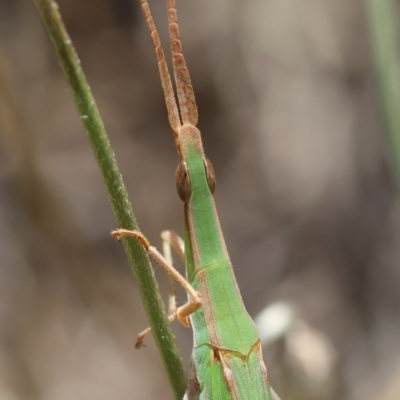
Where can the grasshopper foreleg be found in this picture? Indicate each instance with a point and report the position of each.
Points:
(171, 240)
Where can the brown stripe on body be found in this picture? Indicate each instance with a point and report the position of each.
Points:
(258, 350)
(228, 375)
(208, 310)
(226, 361)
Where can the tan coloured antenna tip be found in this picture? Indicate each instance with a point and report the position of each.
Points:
(184, 89)
(170, 101)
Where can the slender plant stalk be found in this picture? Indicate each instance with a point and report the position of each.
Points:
(383, 20)
(117, 193)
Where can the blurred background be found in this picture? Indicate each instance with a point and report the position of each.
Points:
(306, 192)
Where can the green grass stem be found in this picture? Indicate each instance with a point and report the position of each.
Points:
(117, 194)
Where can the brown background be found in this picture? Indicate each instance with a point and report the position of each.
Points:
(306, 193)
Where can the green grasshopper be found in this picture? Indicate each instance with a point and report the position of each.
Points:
(227, 355)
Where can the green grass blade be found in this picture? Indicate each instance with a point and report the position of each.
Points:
(117, 193)
(385, 44)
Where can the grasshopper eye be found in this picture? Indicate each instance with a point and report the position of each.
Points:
(210, 173)
(183, 185)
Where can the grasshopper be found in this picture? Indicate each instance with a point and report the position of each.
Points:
(227, 357)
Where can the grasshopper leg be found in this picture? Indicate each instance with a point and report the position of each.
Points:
(170, 240)
(183, 312)
(172, 294)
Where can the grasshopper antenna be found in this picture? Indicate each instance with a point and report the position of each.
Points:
(184, 88)
(169, 95)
